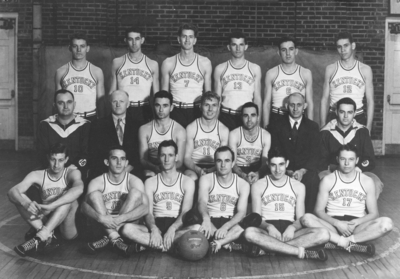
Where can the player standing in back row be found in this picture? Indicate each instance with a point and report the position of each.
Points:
(185, 75)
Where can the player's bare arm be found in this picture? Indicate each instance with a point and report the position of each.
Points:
(257, 87)
(100, 91)
(369, 93)
(269, 78)
(206, 69)
(166, 69)
(329, 71)
(204, 188)
(156, 240)
(179, 136)
(156, 76)
(117, 62)
(233, 143)
(224, 136)
(190, 134)
(58, 76)
(307, 76)
(264, 156)
(144, 135)
(217, 78)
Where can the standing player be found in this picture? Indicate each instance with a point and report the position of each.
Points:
(347, 207)
(251, 144)
(115, 199)
(160, 129)
(238, 81)
(204, 136)
(283, 80)
(185, 75)
(279, 200)
(137, 75)
(170, 196)
(83, 79)
(60, 187)
(348, 77)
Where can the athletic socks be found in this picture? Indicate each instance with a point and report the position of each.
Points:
(301, 253)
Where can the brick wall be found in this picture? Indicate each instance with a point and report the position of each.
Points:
(314, 23)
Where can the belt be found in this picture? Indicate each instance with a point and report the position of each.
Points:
(185, 105)
(138, 104)
(86, 114)
(358, 111)
(230, 111)
(280, 111)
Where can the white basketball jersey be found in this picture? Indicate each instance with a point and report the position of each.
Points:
(278, 202)
(347, 198)
(186, 81)
(205, 144)
(286, 84)
(237, 86)
(114, 195)
(83, 85)
(135, 78)
(51, 189)
(347, 83)
(156, 138)
(222, 200)
(249, 153)
(167, 199)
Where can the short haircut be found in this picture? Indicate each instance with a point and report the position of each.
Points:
(209, 95)
(164, 94)
(58, 148)
(347, 147)
(237, 34)
(78, 36)
(118, 90)
(223, 149)
(188, 26)
(287, 39)
(297, 94)
(63, 91)
(134, 29)
(276, 152)
(249, 105)
(344, 35)
(114, 147)
(167, 143)
(347, 101)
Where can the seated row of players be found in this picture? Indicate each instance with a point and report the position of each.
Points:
(346, 211)
(187, 75)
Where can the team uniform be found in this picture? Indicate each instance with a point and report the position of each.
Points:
(156, 138)
(205, 144)
(347, 83)
(115, 194)
(167, 202)
(136, 79)
(237, 89)
(186, 86)
(284, 85)
(248, 154)
(84, 87)
(278, 203)
(51, 190)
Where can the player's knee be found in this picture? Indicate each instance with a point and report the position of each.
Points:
(385, 224)
(322, 235)
(249, 234)
(127, 230)
(307, 220)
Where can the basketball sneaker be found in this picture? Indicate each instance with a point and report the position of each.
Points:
(364, 248)
(319, 254)
(94, 247)
(122, 248)
(31, 233)
(331, 246)
(255, 251)
(33, 245)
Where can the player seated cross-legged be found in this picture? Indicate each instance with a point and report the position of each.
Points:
(204, 136)
(60, 187)
(170, 196)
(347, 207)
(279, 200)
(115, 199)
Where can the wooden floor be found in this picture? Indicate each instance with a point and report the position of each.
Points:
(68, 262)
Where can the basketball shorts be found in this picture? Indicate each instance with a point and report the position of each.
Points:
(344, 218)
(185, 116)
(232, 121)
(219, 221)
(280, 225)
(140, 115)
(163, 223)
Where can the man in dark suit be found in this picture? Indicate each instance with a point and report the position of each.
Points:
(114, 129)
(299, 138)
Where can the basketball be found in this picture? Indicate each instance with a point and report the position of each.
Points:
(192, 246)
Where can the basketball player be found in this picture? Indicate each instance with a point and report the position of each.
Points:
(114, 199)
(283, 80)
(279, 200)
(237, 81)
(185, 75)
(251, 144)
(137, 75)
(160, 129)
(83, 79)
(348, 77)
(60, 187)
(204, 136)
(347, 207)
(170, 196)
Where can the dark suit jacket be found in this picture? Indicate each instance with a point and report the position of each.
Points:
(305, 152)
(103, 135)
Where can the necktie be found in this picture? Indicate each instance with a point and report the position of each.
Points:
(294, 132)
(120, 133)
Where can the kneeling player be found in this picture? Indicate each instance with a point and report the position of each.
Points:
(170, 195)
(115, 199)
(279, 200)
(347, 207)
(60, 188)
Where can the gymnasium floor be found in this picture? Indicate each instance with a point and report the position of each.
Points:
(68, 262)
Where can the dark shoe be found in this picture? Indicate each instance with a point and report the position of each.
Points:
(319, 255)
(31, 233)
(94, 247)
(30, 246)
(122, 248)
(364, 248)
(331, 246)
(251, 220)
(253, 250)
